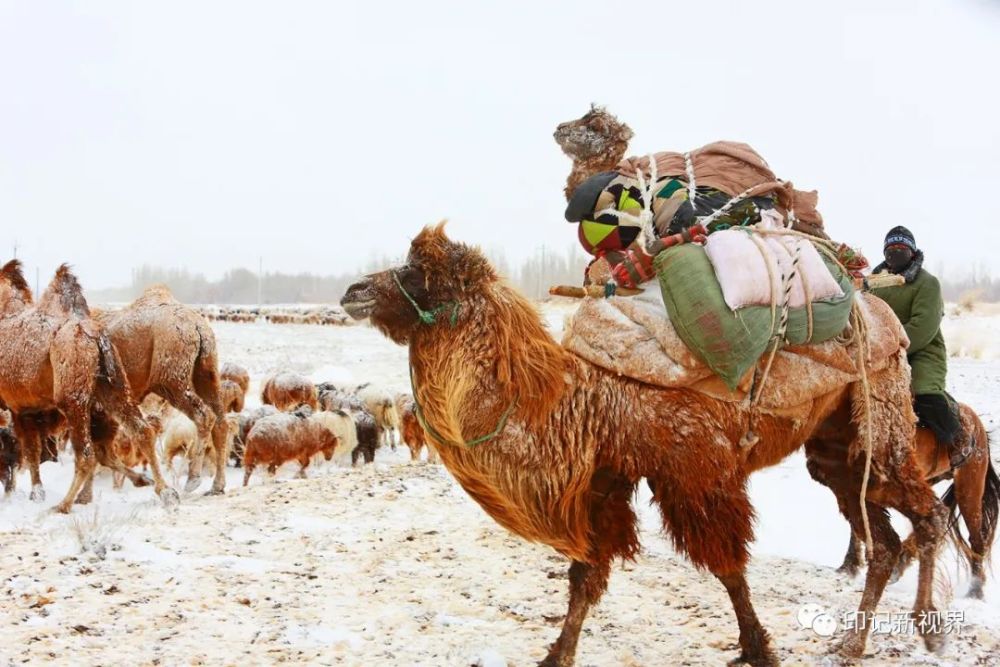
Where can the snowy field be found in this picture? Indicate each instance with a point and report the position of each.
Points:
(393, 564)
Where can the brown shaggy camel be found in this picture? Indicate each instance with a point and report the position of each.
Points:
(287, 391)
(974, 492)
(55, 359)
(168, 349)
(552, 447)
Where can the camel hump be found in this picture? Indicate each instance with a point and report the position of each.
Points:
(158, 294)
(64, 295)
(14, 274)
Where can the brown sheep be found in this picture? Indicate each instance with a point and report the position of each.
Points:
(246, 420)
(413, 433)
(287, 391)
(237, 374)
(232, 396)
(285, 437)
(369, 437)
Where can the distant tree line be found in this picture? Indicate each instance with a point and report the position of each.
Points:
(533, 277)
(241, 286)
(975, 285)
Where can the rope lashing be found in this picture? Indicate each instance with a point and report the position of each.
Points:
(427, 316)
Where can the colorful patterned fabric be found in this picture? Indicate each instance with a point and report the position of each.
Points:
(673, 212)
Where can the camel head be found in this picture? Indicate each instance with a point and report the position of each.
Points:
(14, 290)
(597, 134)
(596, 143)
(438, 274)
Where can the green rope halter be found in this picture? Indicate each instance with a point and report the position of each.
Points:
(430, 317)
(419, 412)
(427, 316)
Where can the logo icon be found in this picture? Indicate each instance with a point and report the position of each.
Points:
(813, 616)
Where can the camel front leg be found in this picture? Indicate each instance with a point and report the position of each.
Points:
(754, 640)
(587, 584)
(929, 517)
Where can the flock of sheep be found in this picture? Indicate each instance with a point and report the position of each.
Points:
(141, 385)
(298, 421)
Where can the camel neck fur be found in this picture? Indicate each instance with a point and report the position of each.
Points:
(584, 168)
(498, 354)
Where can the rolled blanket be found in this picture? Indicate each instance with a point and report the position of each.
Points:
(737, 170)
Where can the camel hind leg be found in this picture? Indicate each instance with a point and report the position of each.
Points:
(84, 461)
(205, 378)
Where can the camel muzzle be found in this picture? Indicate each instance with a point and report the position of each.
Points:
(359, 301)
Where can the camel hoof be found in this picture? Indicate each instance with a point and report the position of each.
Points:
(851, 647)
(849, 570)
(61, 508)
(170, 498)
(84, 499)
(975, 589)
(215, 492)
(37, 494)
(141, 480)
(768, 659)
(935, 642)
(192, 484)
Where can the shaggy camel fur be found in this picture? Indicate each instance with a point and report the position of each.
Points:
(168, 349)
(237, 374)
(595, 142)
(287, 391)
(562, 443)
(55, 359)
(974, 492)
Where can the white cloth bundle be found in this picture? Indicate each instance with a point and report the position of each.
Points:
(749, 267)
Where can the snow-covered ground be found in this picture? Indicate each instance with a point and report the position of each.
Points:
(393, 564)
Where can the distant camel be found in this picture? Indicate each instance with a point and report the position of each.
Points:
(56, 358)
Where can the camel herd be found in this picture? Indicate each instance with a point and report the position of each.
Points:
(113, 384)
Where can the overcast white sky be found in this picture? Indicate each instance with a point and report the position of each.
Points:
(204, 134)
